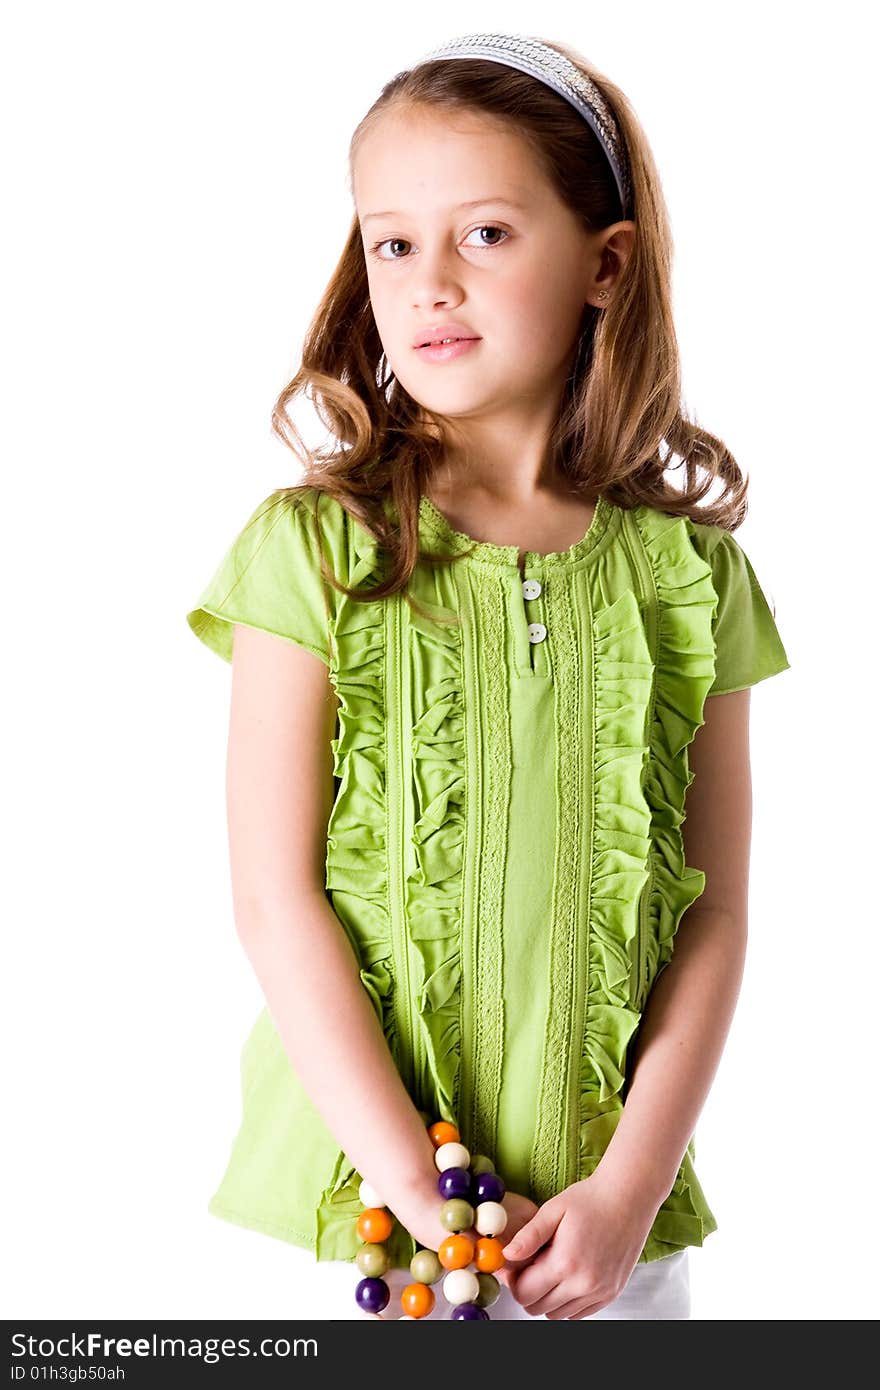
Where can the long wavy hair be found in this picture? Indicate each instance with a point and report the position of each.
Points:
(620, 424)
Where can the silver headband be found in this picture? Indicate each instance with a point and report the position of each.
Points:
(541, 61)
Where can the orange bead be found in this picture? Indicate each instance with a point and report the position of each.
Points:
(443, 1133)
(456, 1252)
(489, 1255)
(374, 1224)
(417, 1300)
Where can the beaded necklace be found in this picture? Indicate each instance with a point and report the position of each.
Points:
(472, 1195)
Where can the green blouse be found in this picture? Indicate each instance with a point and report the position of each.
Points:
(504, 849)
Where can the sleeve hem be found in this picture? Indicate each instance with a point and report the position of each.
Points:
(746, 685)
(215, 630)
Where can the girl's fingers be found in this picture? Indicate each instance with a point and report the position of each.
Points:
(575, 1309)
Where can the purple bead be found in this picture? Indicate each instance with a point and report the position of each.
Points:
(372, 1295)
(469, 1311)
(454, 1182)
(488, 1187)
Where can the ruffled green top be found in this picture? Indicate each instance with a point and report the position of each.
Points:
(504, 848)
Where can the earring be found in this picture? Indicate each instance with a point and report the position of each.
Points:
(603, 294)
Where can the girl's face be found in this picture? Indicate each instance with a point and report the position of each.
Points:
(517, 277)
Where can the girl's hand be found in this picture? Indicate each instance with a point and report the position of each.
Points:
(577, 1252)
(520, 1211)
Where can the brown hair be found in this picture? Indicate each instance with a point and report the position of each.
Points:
(620, 421)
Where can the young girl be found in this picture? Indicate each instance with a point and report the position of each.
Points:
(509, 646)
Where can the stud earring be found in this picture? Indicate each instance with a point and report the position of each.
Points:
(603, 294)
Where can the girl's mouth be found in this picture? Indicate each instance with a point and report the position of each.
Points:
(444, 352)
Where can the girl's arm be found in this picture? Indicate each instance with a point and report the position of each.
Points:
(279, 797)
(690, 1009)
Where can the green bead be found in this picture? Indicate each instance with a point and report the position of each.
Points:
(489, 1290)
(372, 1260)
(425, 1267)
(457, 1214)
(481, 1164)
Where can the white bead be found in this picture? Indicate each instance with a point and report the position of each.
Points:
(490, 1218)
(406, 1317)
(451, 1155)
(369, 1196)
(375, 1315)
(460, 1286)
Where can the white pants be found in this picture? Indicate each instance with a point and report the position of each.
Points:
(658, 1289)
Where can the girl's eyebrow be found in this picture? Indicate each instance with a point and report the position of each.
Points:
(474, 203)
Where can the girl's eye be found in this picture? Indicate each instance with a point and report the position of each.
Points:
(397, 241)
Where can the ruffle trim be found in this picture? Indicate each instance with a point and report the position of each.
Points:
(646, 713)
(356, 859)
(356, 868)
(685, 673)
(434, 882)
(622, 680)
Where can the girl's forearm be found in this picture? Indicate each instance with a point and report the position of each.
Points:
(678, 1048)
(329, 1029)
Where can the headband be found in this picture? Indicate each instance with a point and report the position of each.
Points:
(541, 61)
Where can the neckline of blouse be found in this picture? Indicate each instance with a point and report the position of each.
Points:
(488, 552)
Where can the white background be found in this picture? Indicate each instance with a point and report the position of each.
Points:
(176, 200)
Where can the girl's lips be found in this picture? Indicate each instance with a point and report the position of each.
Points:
(444, 352)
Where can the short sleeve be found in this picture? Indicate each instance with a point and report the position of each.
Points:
(270, 578)
(748, 647)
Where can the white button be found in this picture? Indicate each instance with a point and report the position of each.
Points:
(537, 632)
(531, 588)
